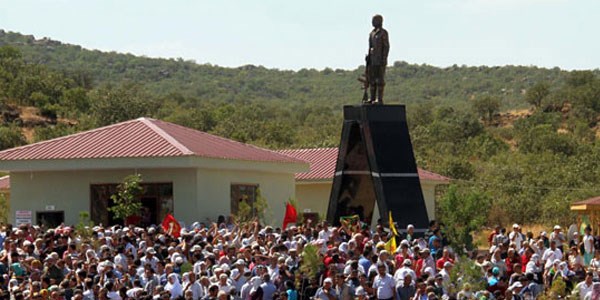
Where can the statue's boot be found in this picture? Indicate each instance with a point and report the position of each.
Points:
(373, 94)
(379, 95)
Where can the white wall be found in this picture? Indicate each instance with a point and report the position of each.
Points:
(214, 192)
(314, 196)
(69, 191)
(198, 194)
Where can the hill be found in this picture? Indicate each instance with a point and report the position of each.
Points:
(523, 137)
(407, 83)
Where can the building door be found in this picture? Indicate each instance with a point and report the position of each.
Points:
(156, 198)
(150, 211)
(242, 198)
(50, 219)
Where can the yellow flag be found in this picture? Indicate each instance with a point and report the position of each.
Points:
(390, 245)
(392, 226)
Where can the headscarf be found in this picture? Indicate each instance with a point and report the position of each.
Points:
(255, 283)
(90, 255)
(174, 288)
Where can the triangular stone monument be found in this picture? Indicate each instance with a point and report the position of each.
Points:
(376, 164)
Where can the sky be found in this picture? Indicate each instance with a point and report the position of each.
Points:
(317, 34)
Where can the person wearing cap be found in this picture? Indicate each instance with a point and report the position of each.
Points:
(149, 258)
(384, 285)
(551, 254)
(326, 292)
(403, 271)
(515, 236)
(558, 237)
(237, 274)
(515, 291)
(534, 265)
(445, 272)
(493, 282)
(426, 261)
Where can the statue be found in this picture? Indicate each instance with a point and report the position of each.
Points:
(376, 61)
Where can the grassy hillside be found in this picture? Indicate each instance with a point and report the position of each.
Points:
(522, 139)
(407, 83)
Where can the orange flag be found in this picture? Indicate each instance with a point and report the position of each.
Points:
(290, 215)
(171, 226)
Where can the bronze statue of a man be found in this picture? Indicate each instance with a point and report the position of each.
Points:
(379, 47)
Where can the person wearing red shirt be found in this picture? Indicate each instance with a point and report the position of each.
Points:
(445, 258)
(525, 258)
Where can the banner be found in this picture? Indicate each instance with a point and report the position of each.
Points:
(291, 216)
(171, 226)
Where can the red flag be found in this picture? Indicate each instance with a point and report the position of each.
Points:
(290, 215)
(171, 226)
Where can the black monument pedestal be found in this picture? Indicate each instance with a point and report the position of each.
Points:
(376, 164)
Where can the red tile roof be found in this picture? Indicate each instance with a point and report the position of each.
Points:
(142, 137)
(5, 182)
(590, 201)
(323, 160)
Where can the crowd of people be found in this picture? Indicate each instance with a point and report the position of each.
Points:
(226, 260)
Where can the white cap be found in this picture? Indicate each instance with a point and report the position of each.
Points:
(328, 280)
(556, 227)
(515, 285)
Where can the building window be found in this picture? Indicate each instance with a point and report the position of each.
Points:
(243, 193)
(156, 198)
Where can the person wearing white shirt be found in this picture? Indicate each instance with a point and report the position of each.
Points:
(515, 236)
(584, 287)
(551, 254)
(191, 284)
(237, 274)
(149, 258)
(558, 237)
(325, 234)
(403, 271)
(588, 246)
(384, 284)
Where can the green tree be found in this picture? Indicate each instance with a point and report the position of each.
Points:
(123, 103)
(462, 212)
(486, 107)
(126, 200)
(4, 208)
(258, 209)
(312, 263)
(84, 226)
(11, 137)
(466, 271)
(536, 94)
